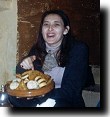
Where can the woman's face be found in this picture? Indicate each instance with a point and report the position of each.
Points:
(53, 29)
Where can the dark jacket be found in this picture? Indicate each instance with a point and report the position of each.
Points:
(74, 78)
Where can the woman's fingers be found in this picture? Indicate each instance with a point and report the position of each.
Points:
(33, 58)
(27, 63)
(31, 64)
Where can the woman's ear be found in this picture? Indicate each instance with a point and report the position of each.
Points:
(66, 30)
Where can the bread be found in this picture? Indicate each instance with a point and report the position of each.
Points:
(42, 84)
(32, 79)
(14, 85)
(32, 85)
(22, 86)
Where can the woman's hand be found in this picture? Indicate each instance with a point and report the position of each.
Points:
(27, 63)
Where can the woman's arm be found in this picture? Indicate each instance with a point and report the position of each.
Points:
(29, 62)
(24, 64)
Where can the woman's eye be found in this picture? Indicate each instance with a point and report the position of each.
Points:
(57, 24)
(45, 24)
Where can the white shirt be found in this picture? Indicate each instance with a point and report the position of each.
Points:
(56, 74)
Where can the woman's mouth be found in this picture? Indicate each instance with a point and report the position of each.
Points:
(50, 35)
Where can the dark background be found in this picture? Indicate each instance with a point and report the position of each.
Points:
(84, 16)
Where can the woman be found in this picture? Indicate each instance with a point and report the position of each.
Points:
(58, 54)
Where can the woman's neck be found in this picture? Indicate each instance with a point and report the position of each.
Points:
(53, 47)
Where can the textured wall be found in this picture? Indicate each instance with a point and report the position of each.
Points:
(29, 15)
(8, 31)
(84, 16)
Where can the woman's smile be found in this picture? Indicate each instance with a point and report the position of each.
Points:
(50, 35)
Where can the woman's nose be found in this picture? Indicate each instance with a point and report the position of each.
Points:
(50, 28)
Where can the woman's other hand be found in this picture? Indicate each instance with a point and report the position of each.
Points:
(27, 63)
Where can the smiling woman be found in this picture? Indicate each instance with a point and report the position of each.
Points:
(58, 54)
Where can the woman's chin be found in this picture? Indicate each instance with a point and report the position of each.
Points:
(50, 42)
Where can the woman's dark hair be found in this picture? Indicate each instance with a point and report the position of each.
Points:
(65, 46)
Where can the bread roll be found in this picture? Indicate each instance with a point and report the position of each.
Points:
(32, 85)
(42, 84)
(14, 85)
